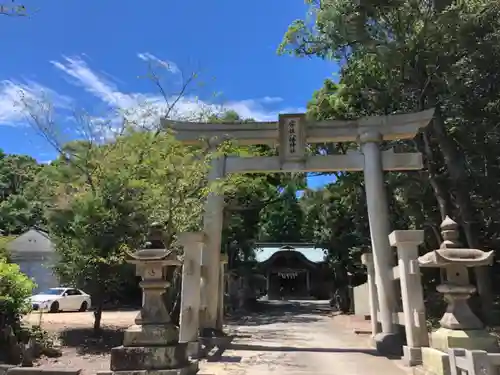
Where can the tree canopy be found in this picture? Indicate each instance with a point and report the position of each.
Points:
(406, 56)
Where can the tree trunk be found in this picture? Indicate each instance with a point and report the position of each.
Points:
(98, 316)
(176, 309)
(172, 296)
(442, 196)
(459, 179)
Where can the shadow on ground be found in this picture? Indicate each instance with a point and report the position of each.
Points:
(85, 342)
(214, 351)
(267, 312)
(264, 348)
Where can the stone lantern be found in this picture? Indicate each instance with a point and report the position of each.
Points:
(460, 327)
(151, 345)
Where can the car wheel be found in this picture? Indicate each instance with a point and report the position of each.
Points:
(84, 306)
(54, 307)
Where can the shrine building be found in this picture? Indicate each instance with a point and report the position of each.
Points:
(294, 271)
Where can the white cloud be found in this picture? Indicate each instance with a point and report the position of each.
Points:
(15, 95)
(271, 99)
(83, 76)
(145, 109)
(147, 106)
(150, 58)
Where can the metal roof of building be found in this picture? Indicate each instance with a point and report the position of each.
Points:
(263, 253)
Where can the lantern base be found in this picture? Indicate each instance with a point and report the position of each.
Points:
(191, 369)
(150, 335)
(154, 359)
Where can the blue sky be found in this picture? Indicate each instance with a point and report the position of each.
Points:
(93, 56)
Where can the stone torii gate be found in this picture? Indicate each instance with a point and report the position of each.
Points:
(293, 132)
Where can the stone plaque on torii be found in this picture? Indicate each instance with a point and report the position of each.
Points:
(293, 132)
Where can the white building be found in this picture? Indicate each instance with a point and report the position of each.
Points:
(35, 254)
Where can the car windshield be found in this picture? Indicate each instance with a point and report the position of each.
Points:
(52, 292)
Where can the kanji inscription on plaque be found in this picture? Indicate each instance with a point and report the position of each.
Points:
(292, 138)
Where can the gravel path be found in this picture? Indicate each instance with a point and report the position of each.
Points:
(299, 339)
(292, 338)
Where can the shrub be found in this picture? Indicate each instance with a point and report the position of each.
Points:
(15, 288)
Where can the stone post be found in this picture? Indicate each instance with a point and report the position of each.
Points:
(212, 226)
(151, 346)
(191, 294)
(407, 242)
(388, 341)
(220, 305)
(367, 260)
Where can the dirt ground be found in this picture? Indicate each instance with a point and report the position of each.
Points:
(287, 338)
(58, 321)
(74, 332)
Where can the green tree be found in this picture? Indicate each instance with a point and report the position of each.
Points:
(102, 199)
(12, 9)
(283, 220)
(19, 208)
(92, 231)
(105, 189)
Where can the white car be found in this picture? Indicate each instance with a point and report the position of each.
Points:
(61, 299)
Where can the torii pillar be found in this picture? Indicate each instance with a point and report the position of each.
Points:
(211, 256)
(387, 341)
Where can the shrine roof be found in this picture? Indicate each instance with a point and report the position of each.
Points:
(315, 255)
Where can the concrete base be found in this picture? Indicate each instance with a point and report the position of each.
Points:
(434, 362)
(388, 344)
(443, 339)
(191, 369)
(206, 344)
(193, 349)
(412, 356)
